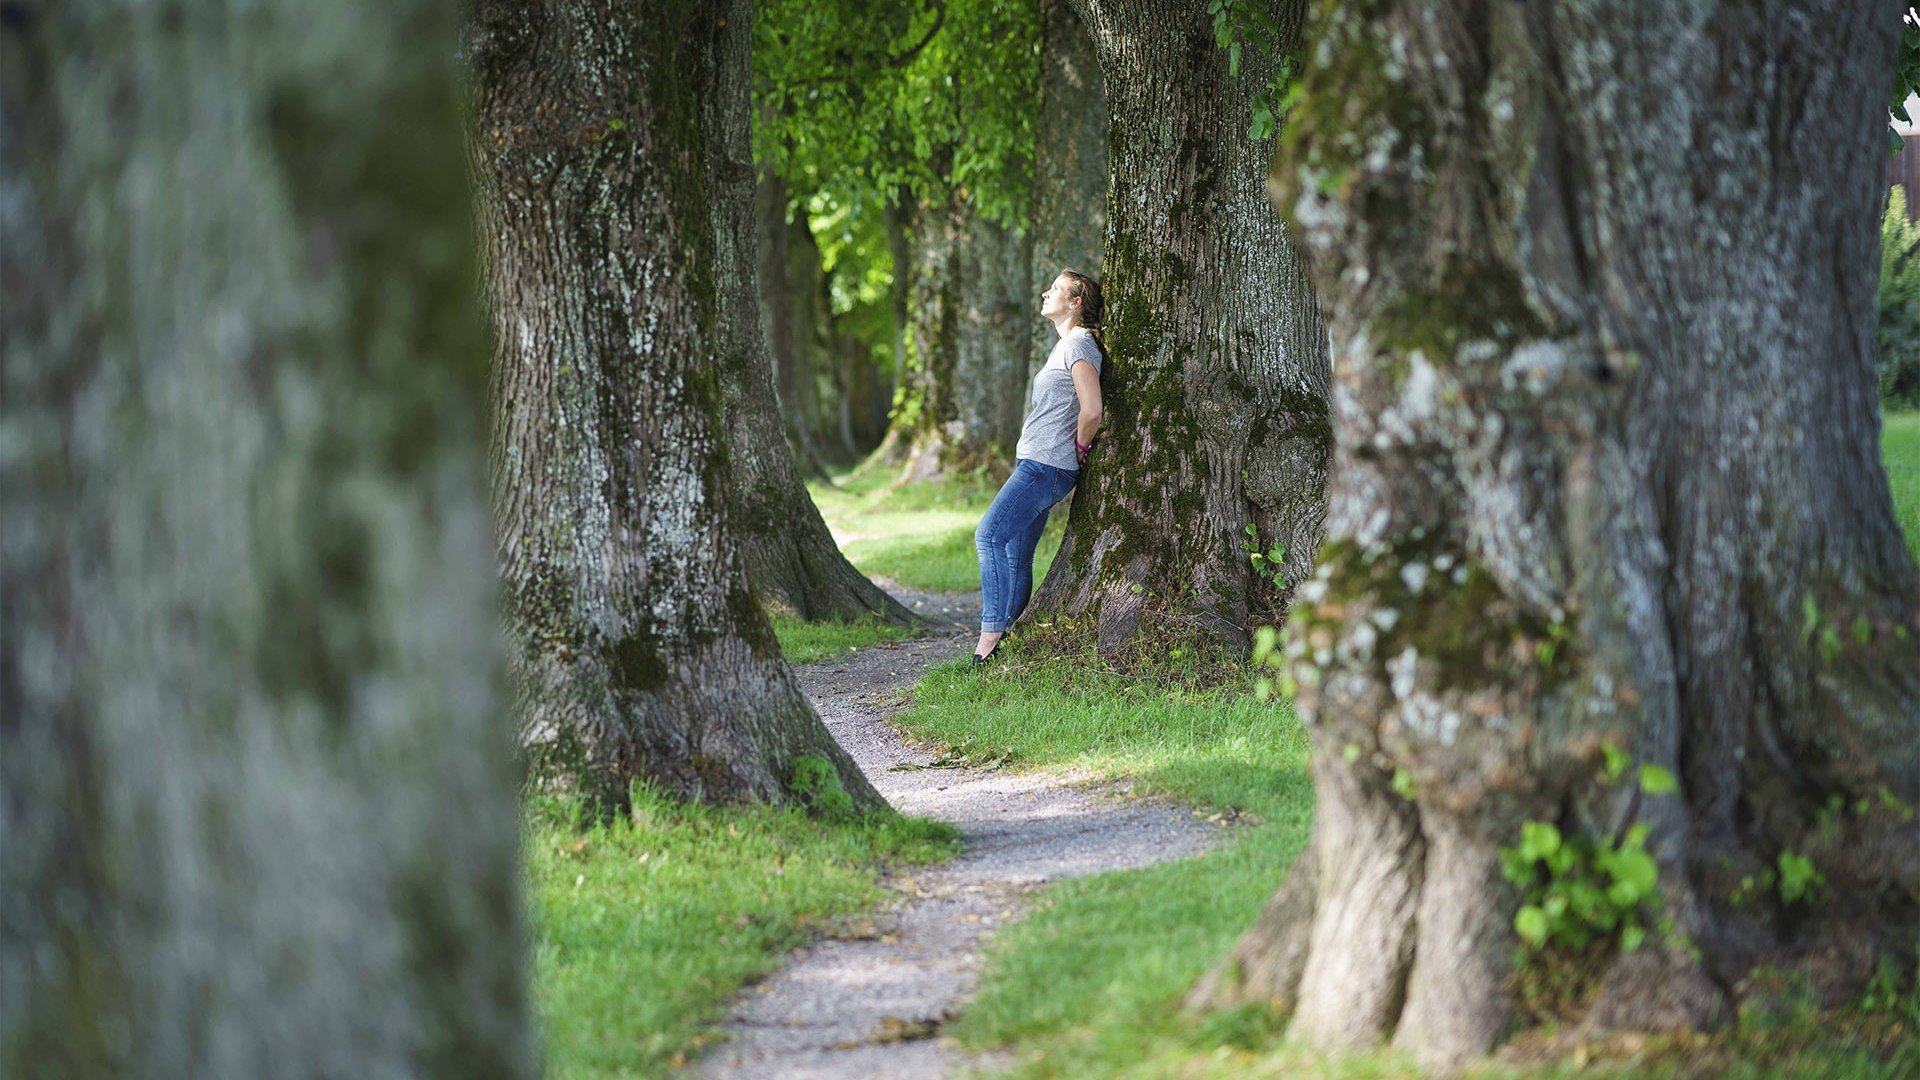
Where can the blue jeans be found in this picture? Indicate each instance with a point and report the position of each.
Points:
(1007, 536)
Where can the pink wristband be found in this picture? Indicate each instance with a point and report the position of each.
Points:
(1082, 447)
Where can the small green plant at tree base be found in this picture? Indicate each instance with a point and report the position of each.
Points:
(1268, 657)
(1267, 563)
(817, 784)
(1799, 878)
(1558, 633)
(1883, 990)
(1577, 890)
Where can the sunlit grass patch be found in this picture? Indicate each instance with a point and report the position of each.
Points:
(644, 928)
(1900, 450)
(919, 534)
(1078, 984)
(1091, 983)
(805, 643)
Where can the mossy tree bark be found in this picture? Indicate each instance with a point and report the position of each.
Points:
(791, 558)
(931, 428)
(1069, 164)
(1216, 383)
(1606, 472)
(256, 794)
(968, 324)
(638, 647)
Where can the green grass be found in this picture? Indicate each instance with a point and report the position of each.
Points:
(920, 535)
(807, 643)
(1090, 984)
(1100, 967)
(646, 927)
(1900, 450)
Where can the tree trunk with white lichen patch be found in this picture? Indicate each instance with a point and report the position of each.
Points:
(638, 648)
(1215, 386)
(1601, 284)
(256, 788)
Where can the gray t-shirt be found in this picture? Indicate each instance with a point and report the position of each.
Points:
(1053, 406)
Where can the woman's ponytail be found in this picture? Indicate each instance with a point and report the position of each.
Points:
(1093, 307)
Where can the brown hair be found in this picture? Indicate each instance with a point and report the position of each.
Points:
(1093, 306)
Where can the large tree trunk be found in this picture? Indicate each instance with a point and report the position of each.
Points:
(1606, 473)
(785, 280)
(996, 316)
(931, 428)
(1216, 383)
(256, 794)
(638, 647)
(901, 219)
(864, 394)
(796, 317)
(1069, 163)
(791, 558)
(969, 327)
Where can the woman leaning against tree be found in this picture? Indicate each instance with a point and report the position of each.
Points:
(1063, 413)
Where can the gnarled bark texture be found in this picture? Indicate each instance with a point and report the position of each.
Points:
(638, 647)
(791, 558)
(1606, 471)
(1215, 387)
(1069, 164)
(255, 790)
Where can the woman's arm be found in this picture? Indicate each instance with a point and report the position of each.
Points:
(1086, 386)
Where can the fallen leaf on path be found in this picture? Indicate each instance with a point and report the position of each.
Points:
(896, 1029)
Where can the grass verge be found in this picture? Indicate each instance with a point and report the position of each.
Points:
(1090, 984)
(645, 927)
(1900, 452)
(1077, 986)
(806, 643)
(920, 535)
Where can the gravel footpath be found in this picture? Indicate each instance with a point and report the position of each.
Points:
(870, 1006)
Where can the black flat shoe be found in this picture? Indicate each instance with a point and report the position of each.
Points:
(981, 661)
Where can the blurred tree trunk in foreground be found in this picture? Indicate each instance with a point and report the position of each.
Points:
(791, 558)
(639, 649)
(1216, 385)
(1607, 481)
(257, 788)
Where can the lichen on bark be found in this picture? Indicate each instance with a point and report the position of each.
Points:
(1638, 439)
(639, 650)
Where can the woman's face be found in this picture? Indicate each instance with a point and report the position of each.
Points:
(1058, 300)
